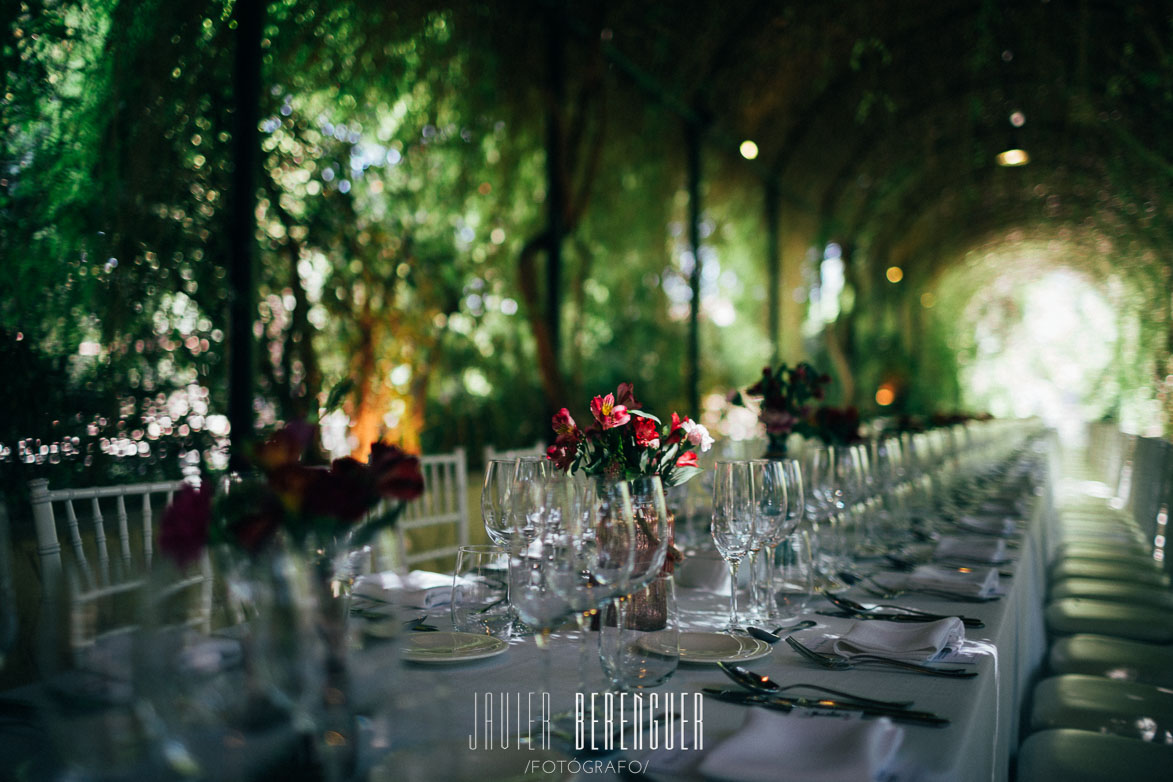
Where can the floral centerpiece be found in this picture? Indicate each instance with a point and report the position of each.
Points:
(624, 441)
(292, 518)
(315, 507)
(787, 394)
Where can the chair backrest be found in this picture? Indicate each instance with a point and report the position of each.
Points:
(105, 562)
(1150, 465)
(537, 449)
(444, 503)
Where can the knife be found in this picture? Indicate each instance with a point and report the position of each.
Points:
(787, 704)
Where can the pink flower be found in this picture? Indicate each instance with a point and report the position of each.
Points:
(563, 452)
(183, 532)
(697, 435)
(564, 425)
(646, 434)
(687, 459)
(607, 413)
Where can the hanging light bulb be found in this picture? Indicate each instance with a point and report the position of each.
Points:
(1013, 157)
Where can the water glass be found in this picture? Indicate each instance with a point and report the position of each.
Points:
(634, 654)
(480, 592)
(796, 569)
(496, 503)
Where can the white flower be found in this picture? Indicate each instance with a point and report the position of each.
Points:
(697, 435)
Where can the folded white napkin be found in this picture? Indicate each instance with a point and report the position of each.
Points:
(964, 582)
(1004, 526)
(772, 746)
(912, 641)
(418, 589)
(701, 571)
(971, 549)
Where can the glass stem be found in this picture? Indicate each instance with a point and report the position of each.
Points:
(755, 602)
(733, 594)
(580, 619)
(771, 595)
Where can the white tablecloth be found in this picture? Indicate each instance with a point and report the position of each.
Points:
(978, 744)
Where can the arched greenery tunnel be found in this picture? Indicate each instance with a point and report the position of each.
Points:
(462, 214)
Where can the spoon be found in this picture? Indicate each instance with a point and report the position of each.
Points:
(774, 637)
(758, 683)
(853, 607)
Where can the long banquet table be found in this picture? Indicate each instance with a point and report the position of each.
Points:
(978, 744)
(418, 718)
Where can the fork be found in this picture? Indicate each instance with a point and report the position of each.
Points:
(869, 610)
(837, 662)
(876, 589)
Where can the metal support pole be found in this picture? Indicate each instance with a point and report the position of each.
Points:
(774, 267)
(555, 175)
(693, 141)
(242, 222)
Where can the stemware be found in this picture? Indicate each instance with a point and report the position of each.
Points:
(496, 500)
(733, 520)
(771, 526)
(596, 552)
(540, 508)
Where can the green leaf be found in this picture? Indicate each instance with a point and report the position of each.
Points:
(642, 414)
(338, 393)
(681, 475)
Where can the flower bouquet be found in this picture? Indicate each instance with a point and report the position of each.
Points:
(291, 519)
(786, 396)
(316, 508)
(625, 443)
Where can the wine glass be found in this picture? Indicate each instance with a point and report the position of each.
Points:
(733, 520)
(539, 511)
(596, 553)
(772, 525)
(496, 501)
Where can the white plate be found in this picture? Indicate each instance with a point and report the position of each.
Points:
(448, 647)
(719, 647)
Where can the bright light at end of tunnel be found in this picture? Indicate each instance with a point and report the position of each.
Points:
(885, 395)
(749, 150)
(1013, 157)
(894, 274)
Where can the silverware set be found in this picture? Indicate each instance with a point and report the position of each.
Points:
(837, 662)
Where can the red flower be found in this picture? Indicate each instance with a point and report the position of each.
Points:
(564, 425)
(625, 395)
(183, 532)
(346, 491)
(286, 446)
(563, 452)
(254, 529)
(646, 434)
(687, 459)
(607, 413)
(396, 473)
(676, 430)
